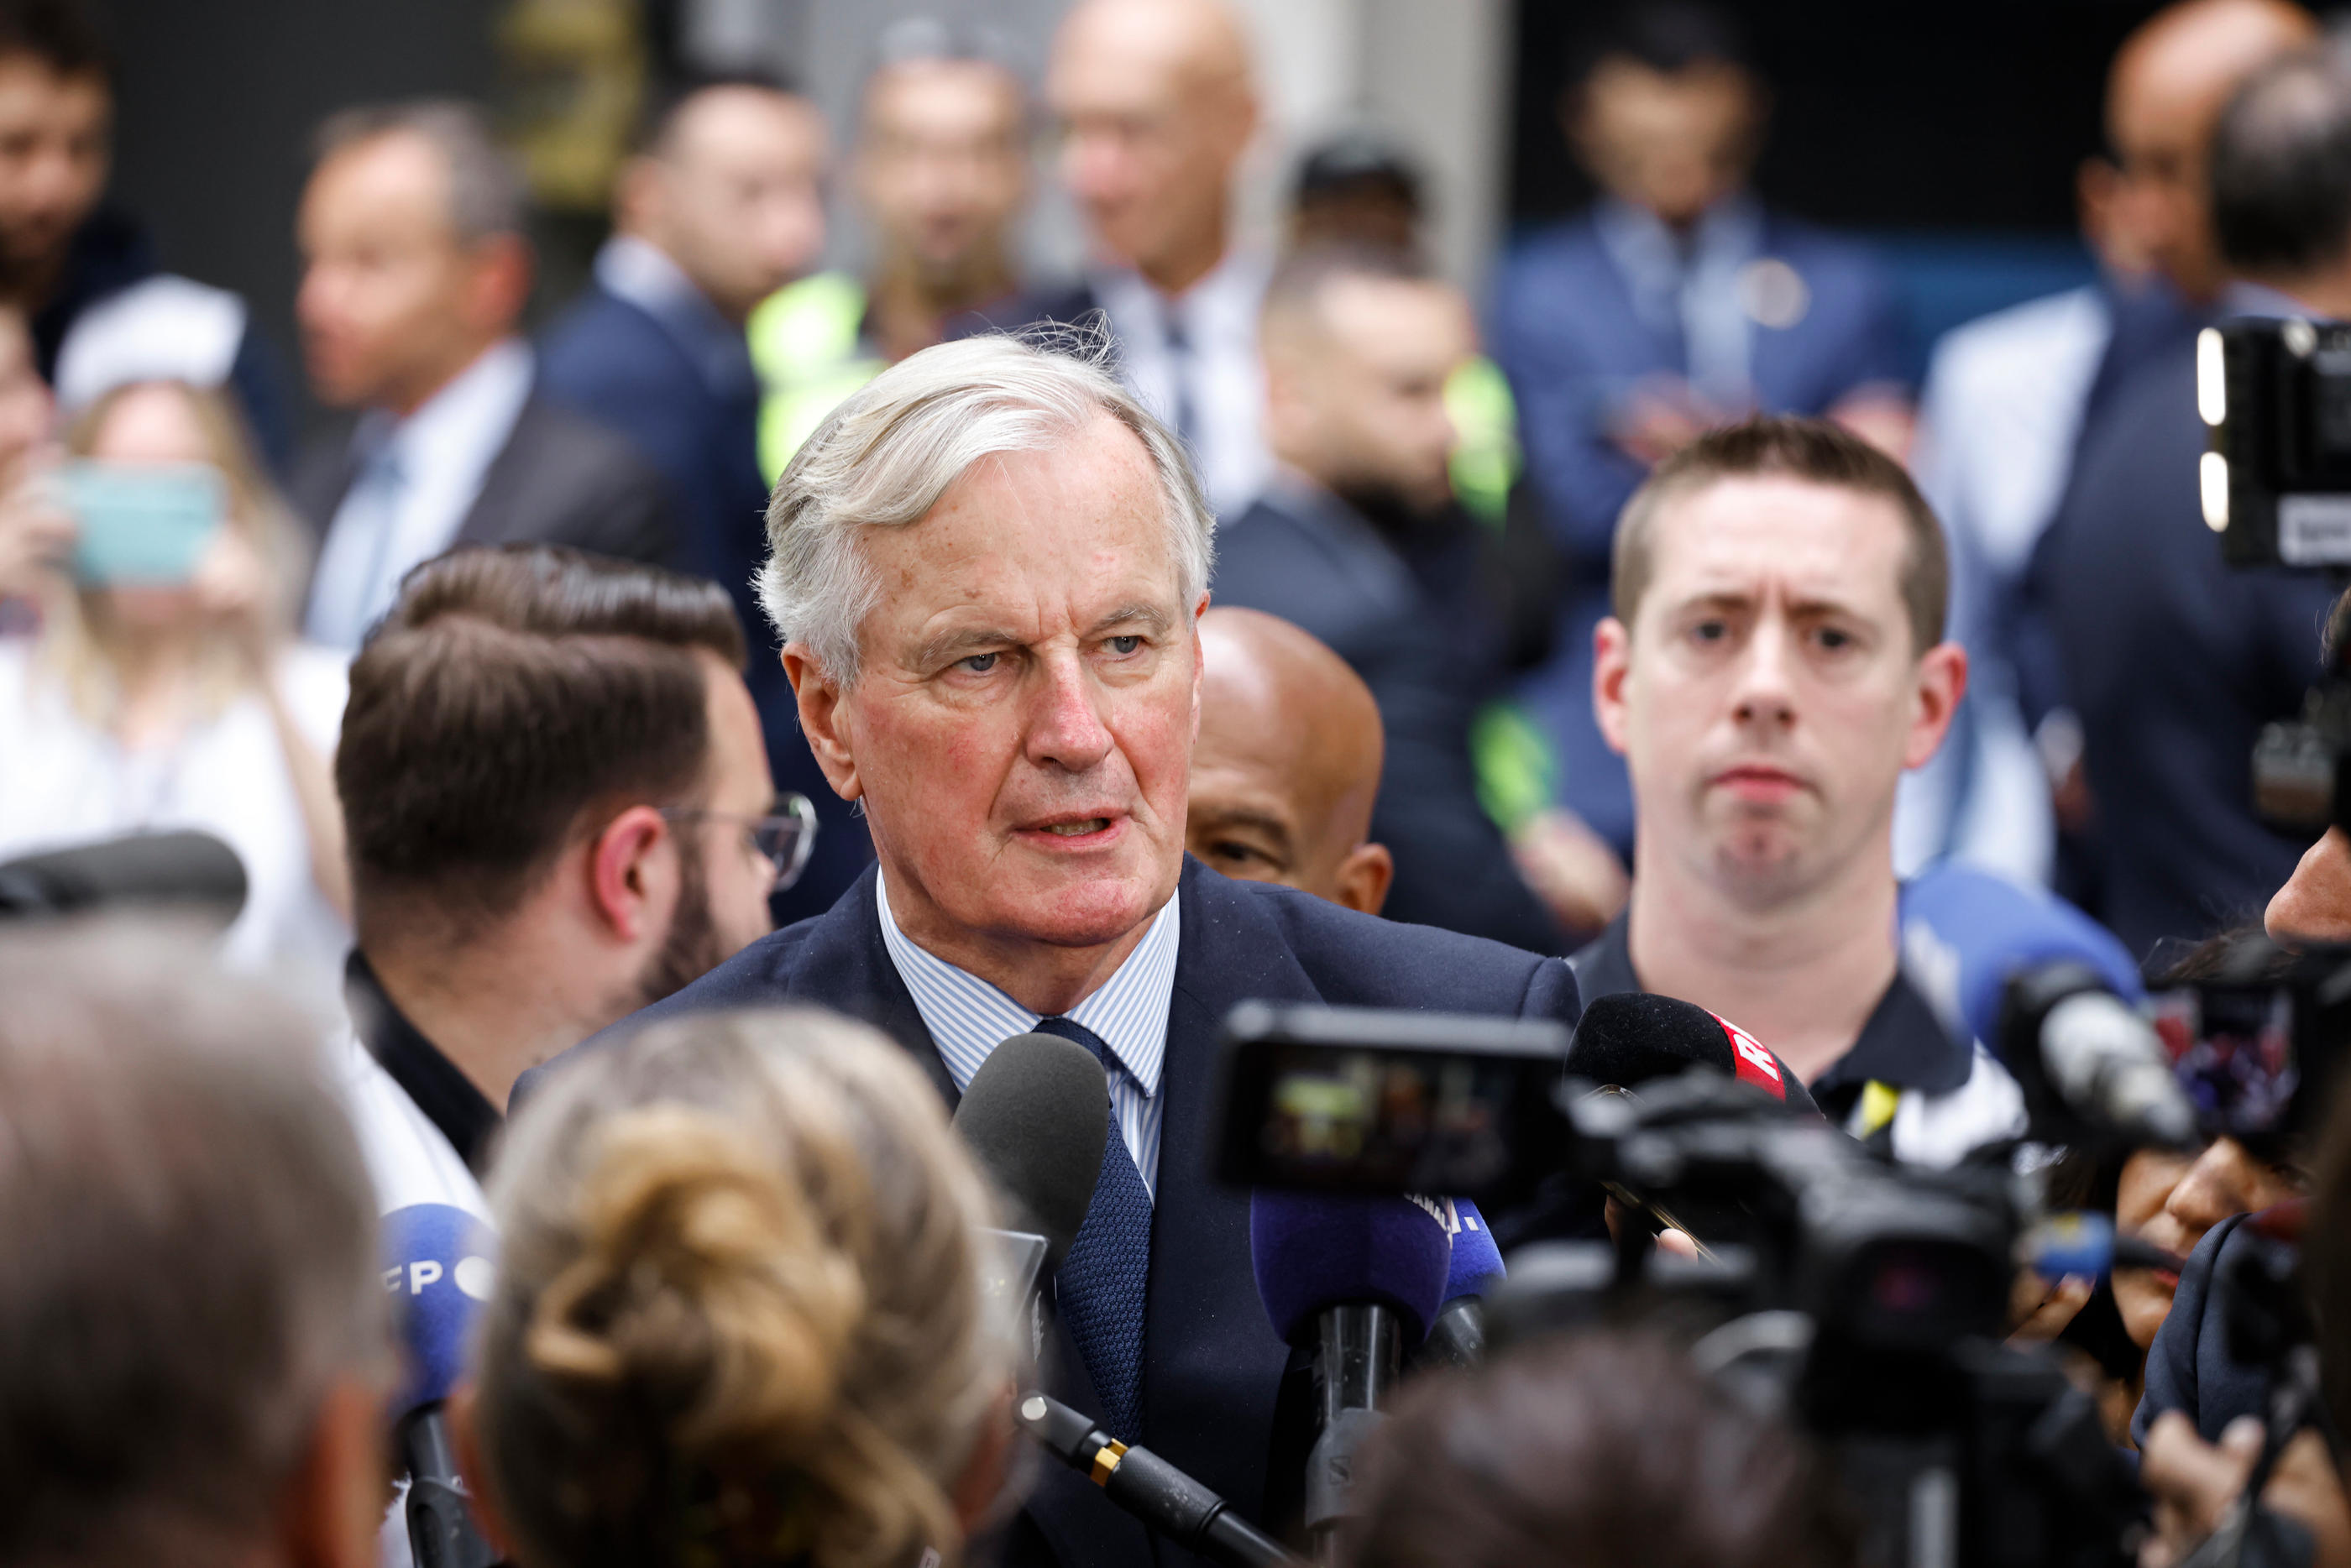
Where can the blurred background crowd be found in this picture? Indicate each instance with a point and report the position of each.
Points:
(1428, 289)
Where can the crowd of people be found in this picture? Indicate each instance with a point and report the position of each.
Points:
(678, 745)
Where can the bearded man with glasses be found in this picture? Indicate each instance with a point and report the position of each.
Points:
(559, 810)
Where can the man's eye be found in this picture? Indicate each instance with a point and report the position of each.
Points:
(1240, 854)
(1123, 646)
(1835, 639)
(1709, 631)
(980, 663)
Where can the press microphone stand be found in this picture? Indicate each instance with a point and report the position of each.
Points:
(1358, 1361)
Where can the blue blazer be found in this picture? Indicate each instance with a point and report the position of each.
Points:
(1212, 1366)
(1564, 332)
(616, 363)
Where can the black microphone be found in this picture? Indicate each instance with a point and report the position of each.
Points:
(1631, 1037)
(1037, 1118)
(1164, 1497)
(2088, 1062)
(192, 871)
(1358, 1280)
(438, 1272)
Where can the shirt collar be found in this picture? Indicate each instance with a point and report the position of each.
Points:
(968, 1018)
(1903, 1042)
(468, 419)
(437, 1086)
(1224, 302)
(644, 275)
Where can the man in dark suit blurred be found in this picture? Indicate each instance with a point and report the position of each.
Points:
(722, 205)
(1359, 541)
(415, 271)
(1678, 302)
(2174, 662)
(1017, 713)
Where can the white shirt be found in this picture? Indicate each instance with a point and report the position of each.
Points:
(417, 479)
(1220, 379)
(968, 1018)
(1997, 421)
(65, 781)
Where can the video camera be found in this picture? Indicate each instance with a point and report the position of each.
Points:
(2275, 483)
(1866, 1300)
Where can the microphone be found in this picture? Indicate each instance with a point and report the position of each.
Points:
(1631, 1037)
(1164, 1497)
(1357, 1279)
(2086, 1060)
(1037, 1118)
(1457, 1337)
(192, 870)
(438, 1272)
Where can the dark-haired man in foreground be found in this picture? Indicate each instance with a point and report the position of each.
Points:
(558, 811)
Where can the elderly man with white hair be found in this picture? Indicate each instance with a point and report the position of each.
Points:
(988, 568)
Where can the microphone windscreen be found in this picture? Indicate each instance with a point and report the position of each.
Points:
(1037, 1115)
(1477, 1265)
(180, 868)
(438, 1269)
(1317, 1249)
(1630, 1037)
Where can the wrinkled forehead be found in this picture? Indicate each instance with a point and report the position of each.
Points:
(1054, 532)
(1777, 536)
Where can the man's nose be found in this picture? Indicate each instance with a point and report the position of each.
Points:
(1066, 729)
(1766, 695)
(2223, 1181)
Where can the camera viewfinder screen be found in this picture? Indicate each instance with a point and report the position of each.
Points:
(1384, 1119)
(2232, 1051)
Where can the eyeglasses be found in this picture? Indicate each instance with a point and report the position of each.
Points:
(783, 840)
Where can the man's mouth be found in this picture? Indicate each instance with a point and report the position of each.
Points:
(1759, 780)
(1079, 828)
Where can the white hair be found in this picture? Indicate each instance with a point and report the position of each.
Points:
(884, 458)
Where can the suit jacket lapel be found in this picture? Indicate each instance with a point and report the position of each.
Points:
(845, 967)
(1212, 1363)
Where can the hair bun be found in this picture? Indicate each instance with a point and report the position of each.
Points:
(705, 1286)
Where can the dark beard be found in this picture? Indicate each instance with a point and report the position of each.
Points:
(1395, 515)
(690, 950)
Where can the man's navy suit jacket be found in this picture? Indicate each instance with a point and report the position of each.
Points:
(1212, 1366)
(616, 362)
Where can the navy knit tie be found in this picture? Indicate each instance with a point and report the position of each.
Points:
(1102, 1280)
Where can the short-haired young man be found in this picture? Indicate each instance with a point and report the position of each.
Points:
(1775, 660)
(558, 811)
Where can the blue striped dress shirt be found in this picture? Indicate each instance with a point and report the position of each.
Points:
(968, 1018)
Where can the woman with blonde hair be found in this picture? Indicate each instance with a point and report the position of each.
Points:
(164, 688)
(739, 1317)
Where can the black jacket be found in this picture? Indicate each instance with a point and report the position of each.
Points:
(559, 480)
(1315, 563)
(1212, 1366)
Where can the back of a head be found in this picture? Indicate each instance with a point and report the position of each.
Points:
(1596, 1451)
(509, 693)
(2281, 170)
(191, 1258)
(739, 1315)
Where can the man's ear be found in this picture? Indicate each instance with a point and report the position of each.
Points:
(1364, 878)
(1942, 682)
(1199, 665)
(637, 195)
(1612, 665)
(631, 884)
(332, 1507)
(821, 700)
(500, 289)
(465, 1436)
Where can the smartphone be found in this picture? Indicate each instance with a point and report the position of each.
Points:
(145, 524)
